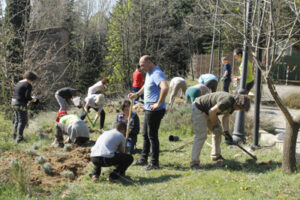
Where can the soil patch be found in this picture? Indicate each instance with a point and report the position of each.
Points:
(76, 161)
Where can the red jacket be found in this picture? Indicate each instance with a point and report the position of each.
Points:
(138, 79)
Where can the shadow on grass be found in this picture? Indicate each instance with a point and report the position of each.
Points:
(160, 179)
(248, 166)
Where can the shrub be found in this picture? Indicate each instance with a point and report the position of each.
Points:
(19, 176)
(292, 101)
(40, 160)
(47, 168)
(68, 174)
(31, 152)
(68, 147)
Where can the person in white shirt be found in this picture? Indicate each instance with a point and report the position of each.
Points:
(109, 150)
(176, 84)
(99, 86)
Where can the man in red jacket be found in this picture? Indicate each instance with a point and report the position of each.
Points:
(138, 82)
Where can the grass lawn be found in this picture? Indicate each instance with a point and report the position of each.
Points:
(236, 178)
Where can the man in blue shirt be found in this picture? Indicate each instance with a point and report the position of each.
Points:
(210, 81)
(226, 78)
(155, 91)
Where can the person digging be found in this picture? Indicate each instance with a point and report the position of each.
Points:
(72, 126)
(205, 111)
(109, 150)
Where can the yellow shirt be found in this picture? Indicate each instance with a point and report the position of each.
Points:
(250, 77)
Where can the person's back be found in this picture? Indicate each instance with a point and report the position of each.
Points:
(138, 79)
(108, 143)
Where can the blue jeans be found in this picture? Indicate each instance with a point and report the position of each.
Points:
(131, 142)
(20, 120)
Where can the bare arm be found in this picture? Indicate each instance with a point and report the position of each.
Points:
(135, 95)
(164, 88)
(86, 106)
(122, 149)
(212, 115)
(225, 122)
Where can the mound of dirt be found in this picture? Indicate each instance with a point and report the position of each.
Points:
(76, 161)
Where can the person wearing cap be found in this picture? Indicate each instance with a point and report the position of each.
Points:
(99, 86)
(95, 101)
(210, 81)
(20, 101)
(137, 82)
(205, 111)
(65, 95)
(195, 91)
(226, 78)
(72, 126)
(109, 150)
(134, 125)
(238, 54)
(176, 84)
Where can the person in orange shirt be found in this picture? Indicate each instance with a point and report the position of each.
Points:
(138, 82)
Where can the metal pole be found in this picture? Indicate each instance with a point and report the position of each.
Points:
(239, 125)
(213, 41)
(257, 86)
(219, 53)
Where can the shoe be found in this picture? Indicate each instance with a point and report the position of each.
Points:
(195, 167)
(94, 177)
(20, 140)
(218, 159)
(150, 167)
(140, 162)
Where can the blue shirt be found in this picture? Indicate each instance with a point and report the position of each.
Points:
(227, 67)
(207, 77)
(152, 89)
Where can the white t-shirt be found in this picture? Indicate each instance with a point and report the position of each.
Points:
(95, 88)
(108, 143)
(91, 99)
(175, 81)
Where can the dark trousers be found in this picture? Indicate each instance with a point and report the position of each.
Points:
(150, 135)
(249, 86)
(212, 84)
(136, 89)
(226, 85)
(102, 116)
(121, 160)
(20, 120)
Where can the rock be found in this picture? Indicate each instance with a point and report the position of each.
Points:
(280, 136)
(267, 138)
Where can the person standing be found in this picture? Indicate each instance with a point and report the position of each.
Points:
(176, 84)
(109, 150)
(238, 54)
(20, 100)
(226, 78)
(134, 125)
(137, 82)
(99, 86)
(64, 96)
(210, 81)
(205, 111)
(155, 91)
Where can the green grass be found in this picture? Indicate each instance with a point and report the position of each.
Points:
(236, 178)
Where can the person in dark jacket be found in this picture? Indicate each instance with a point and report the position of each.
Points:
(20, 101)
(65, 95)
(134, 125)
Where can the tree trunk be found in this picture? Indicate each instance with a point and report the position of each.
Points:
(289, 146)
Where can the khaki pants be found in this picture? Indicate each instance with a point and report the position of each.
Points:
(174, 90)
(200, 124)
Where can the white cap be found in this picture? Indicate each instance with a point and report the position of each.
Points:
(99, 99)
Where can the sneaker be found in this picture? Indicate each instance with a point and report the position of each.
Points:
(218, 159)
(140, 162)
(150, 167)
(20, 140)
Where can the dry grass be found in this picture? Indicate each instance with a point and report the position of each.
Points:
(292, 101)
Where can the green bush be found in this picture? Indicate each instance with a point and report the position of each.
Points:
(292, 101)
(19, 176)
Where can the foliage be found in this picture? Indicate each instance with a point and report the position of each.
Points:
(19, 175)
(292, 101)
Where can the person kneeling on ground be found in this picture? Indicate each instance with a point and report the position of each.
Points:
(109, 150)
(204, 114)
(72, 126)
(134, 125)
